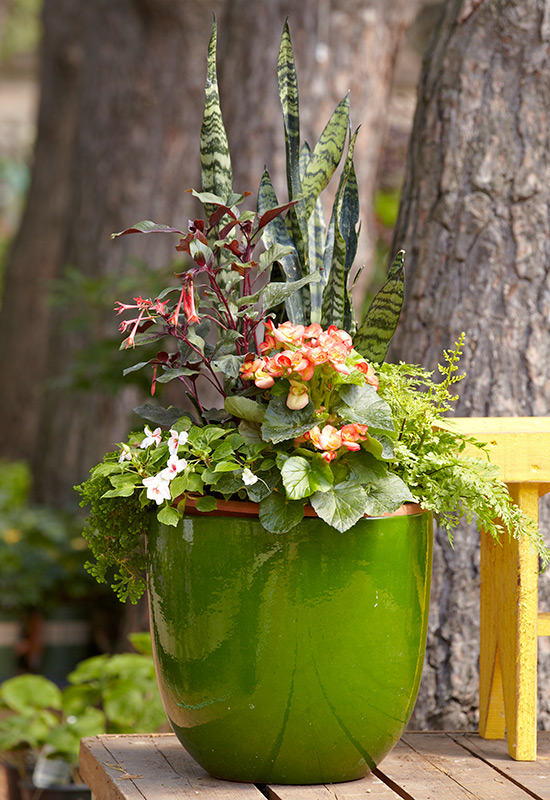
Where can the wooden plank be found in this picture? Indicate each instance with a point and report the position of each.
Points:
(102, 774)
(134, 767)
(369, 788)
(534, 777)
(519, 445)
(427, 766)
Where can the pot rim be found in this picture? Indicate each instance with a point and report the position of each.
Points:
(245, 508)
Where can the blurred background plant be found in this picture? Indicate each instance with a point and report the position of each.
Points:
(42, 725)
(45, 592)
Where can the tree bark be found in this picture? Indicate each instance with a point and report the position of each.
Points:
(474, 223)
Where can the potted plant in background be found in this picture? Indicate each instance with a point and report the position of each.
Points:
(44, 587)
(288, 638)
(41, 725)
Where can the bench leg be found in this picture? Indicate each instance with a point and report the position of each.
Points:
(508, 637)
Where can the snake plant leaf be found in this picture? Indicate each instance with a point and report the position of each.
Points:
(334, 294)
(288, 94)
(316, 232)
(275, 232)
(340, 248)
(373, 337)
(349, 216)
(217, 174)
(325, 158)
(348, 224)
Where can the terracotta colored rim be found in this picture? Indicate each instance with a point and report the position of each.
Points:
(238, 508)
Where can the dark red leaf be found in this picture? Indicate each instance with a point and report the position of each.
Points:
(272, 213)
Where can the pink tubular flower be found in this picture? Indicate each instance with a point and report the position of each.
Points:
(189, 305)
(145, 308)
(297, 396)
(187, 298)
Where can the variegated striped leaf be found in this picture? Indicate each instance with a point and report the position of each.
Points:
(349, 219)
(275, 232)
(349, 216)
(217, 174)
(325, 158)
(316, 231)
(345, 212)
(334, 294)
(288, 95)
(374, 336)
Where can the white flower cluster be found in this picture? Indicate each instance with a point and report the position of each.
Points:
(158, 486)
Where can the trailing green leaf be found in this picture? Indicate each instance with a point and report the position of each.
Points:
(278, 514)
(342, 505)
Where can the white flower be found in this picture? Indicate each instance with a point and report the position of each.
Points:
(249, 479)
(173, 467)
(125, 453)
(175, 440)
(158, 488)
(151, 437)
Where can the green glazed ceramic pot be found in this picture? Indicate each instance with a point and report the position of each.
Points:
(293, 658)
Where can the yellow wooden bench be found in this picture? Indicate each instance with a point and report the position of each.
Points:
(509, 617)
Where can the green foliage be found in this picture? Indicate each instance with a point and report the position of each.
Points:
(42, 552)
(430, 458)
(115, 534)
(106, 694)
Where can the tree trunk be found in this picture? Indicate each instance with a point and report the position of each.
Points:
(474, 223)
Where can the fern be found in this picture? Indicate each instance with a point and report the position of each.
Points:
(429, 455)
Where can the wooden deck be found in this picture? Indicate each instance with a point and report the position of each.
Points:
(423, 766)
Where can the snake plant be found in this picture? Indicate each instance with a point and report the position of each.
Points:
(308, 245)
